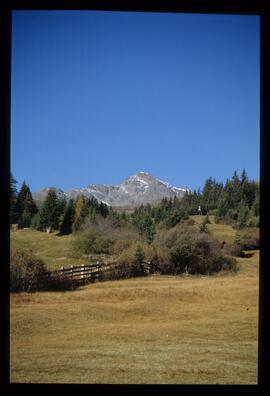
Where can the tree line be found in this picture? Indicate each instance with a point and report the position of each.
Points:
(162, 233)
(55, 214)
(235, 202)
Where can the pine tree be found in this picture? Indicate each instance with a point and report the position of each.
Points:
(35, 222)
(243, 214)
(149, 230)
(249, 190)
(235, 191)
(103, 209)
(256, 204)
(143, 221)
(244, 177)
(137, 262)
(49, 213)
(206, 195)
(223, 205)
(25, 219)
(67, 219)
(13, 201)
(26, 206)
(61, 206)
(174, 217)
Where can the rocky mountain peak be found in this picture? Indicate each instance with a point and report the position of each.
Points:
(138, 189)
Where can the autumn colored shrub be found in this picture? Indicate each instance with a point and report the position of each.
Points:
(26, 270)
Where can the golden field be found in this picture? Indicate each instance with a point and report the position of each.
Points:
(152, 330)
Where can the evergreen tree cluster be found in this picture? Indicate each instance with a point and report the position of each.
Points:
(22, 205)
(239, 201)
(67, 216)
(236, 202)
(55, 214)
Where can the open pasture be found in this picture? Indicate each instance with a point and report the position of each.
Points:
(159, 330)
(54, 250)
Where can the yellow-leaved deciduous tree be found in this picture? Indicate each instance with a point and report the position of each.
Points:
(81, 211)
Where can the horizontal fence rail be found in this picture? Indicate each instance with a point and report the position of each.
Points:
(76, 275)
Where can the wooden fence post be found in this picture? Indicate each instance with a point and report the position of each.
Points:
(72, 277)
(82, 273)
(98, 268)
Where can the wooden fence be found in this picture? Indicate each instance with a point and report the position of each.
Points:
(80, 273)
(73, 276)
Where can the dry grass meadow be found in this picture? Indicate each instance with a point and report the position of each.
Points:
(53, 249)
(154, 330)
(56, 251)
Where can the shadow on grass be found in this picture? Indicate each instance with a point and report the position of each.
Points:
(247, 255)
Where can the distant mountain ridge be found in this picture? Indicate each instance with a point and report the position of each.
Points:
(138, 189)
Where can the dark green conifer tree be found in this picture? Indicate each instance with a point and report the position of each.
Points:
(223, 205)
(148, 228)
(61, 206)
(49, 212)
(206, 195)
(243, 214)
(26, 206)
(143, 221)
(137, 262)
(13, 201)
(66, 220)
(248, 189)
(235, 191)
(35, 222)
(256, 204)
(103, 209)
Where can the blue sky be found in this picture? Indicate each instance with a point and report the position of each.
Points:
(98, 96)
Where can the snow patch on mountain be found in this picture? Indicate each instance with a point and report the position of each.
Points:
(138, 189)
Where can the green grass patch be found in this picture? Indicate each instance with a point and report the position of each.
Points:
(53, 249)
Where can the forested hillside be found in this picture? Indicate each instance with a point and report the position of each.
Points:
(235, 202)
(164, 233)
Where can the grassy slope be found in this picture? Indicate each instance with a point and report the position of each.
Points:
(159, 329)
(54, 250)
(222, 232)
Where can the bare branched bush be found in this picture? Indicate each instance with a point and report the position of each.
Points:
(99, 223)
(124, 238)
(26, 270)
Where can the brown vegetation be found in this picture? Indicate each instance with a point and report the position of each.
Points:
(25, 270)
(158, 329)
